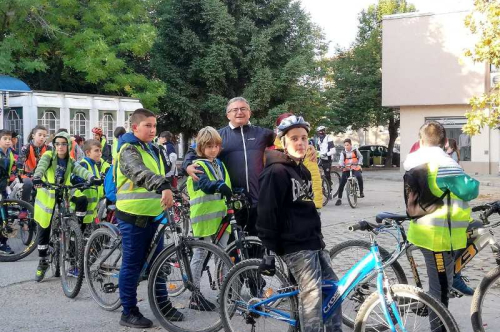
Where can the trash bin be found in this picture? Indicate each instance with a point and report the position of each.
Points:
(366, 158)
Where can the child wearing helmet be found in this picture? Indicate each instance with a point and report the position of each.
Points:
(289, 224)
(105, 147)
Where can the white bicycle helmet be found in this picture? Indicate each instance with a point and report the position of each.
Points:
(320, 128)
(290, 123)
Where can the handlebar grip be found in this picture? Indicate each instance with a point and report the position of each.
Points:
(363, 225)
(355, 227)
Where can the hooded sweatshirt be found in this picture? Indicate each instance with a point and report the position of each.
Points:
(287, 219)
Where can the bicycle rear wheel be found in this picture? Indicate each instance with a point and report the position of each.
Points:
(411, 303)
(18, 228)
(71, 257)
(200, 306)
(244, 286)
(352, 192)
(484, 307)
(335, 184)
(325, 188)
(103, 259)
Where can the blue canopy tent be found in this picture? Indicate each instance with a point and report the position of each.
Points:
(12, 84)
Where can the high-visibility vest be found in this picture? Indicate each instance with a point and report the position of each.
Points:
(45, 199)
(351, 160)
(104, 166)
(114, 148)
(136, 200)
(93, 194)
(207, 210)
(446, 228)
(32, 159)
(72, 152)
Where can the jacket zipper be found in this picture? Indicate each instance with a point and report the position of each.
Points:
(246, 161)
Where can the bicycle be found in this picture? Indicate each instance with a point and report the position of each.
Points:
(479, 237)
(66, 240)
(18, 229)
(402, 306)
(330, 190)
(168, 272)
(352, 188)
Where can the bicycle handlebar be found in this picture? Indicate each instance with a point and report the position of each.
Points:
(488, 209)
(55, 186)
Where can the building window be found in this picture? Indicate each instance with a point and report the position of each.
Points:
(14, 123)
(108, 126)
(127, 122)
(50, 121)
(453, 127)
(79, 124)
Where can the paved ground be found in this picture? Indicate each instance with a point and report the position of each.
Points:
(27, 306)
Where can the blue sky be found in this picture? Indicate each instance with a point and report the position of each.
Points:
(339, 18)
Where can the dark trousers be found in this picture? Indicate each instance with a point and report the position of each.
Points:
(326, 165)
(343, 181)
(247, 218)
(43, 239)
(27, 190)
(135, 244)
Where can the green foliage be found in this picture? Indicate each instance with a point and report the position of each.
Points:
(80, 46)
(209, 51)
(485, 22)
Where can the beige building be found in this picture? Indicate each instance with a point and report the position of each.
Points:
(426, 75)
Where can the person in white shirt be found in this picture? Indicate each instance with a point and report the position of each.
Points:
(326, 148)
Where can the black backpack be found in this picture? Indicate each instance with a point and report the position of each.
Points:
(419, 199)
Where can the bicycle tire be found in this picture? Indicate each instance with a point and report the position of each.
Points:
(401, 294)
(163, 267)
(352, 192)
(359, 293)
(21, 247)
(253, 242)
(477, 305)
(335, 185)
(102, 281)
(325, 189)
(55, 265)
(241, 275)
(72, 251)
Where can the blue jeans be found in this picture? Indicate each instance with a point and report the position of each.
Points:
(135, 244)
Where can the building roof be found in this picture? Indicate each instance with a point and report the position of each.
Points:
(8, 83)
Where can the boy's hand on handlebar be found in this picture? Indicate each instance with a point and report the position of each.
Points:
(37, 182)
(167, 199)
(226, 192)
(95, 181)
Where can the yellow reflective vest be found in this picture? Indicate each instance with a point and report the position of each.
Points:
(93, 194)
(446, 228)
(207, 210)
(136, 200)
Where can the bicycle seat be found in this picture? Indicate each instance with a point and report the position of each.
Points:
(392, 216)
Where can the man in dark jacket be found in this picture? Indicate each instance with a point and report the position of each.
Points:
(243, 147)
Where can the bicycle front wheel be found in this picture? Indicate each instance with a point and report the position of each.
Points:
(352, 192)
(71, 257)
(418, 310)
(103, 258)
(484, 308)
(198, 300)
(335, 184)
(325, 188)
(354, 251)
(18, 228)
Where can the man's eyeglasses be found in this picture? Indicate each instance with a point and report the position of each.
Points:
(241, 109)
(60, 144)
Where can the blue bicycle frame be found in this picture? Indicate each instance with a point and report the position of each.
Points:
(334, 293)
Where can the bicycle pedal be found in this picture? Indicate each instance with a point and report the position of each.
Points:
(454, 294)
(109, 288)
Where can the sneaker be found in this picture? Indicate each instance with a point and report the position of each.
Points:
(6, 249)
(338, 202)
(43, 266)
(73, 272)
(200, 303)
(135, 319)
(361, 195)
(172, 314)
(460, 286)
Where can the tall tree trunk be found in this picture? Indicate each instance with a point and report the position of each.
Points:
(393, 135)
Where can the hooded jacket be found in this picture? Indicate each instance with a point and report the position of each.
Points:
(287, 219)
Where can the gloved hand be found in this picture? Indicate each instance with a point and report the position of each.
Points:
(95, 181)
(324, 155)
(225, 191)
(37, 182)
(267, 266)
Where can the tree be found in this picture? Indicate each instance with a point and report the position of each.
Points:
(356, 76)
(484, 21)
(209, 51)
(80, 46)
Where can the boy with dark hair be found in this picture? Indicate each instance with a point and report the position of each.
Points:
(119, 132)
(289, 224)
(54, 167)
(142, 194)
(350, 159)
(6, 165)
(436, 194)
